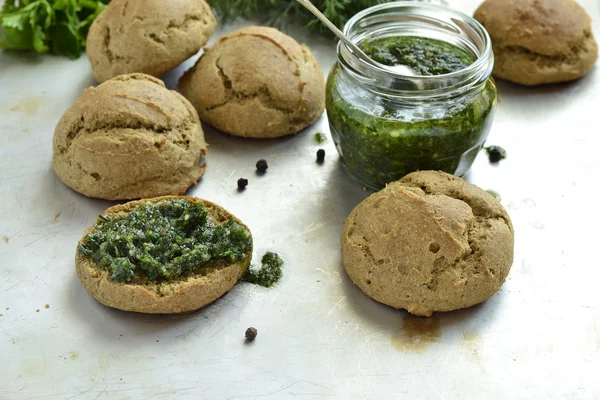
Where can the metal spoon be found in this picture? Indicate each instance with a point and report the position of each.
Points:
(396, 69)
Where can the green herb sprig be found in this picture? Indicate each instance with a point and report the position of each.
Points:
(55, 26)
(281, 13)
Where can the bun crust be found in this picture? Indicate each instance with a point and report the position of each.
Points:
(147, 36)
(537, 42)
(429, 242)
(129, 138)
(256, 82)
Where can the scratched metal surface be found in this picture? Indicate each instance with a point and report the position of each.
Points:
(319, 336)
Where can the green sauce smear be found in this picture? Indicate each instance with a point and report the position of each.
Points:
(381, 140)
(269, 274)
(164, 241)
(320, 137)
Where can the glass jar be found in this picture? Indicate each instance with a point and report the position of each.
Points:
(386, 125)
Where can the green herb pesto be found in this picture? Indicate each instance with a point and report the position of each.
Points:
(425, 56)
(163, 241)
(270, 272)
(320, 137)
(380, 139)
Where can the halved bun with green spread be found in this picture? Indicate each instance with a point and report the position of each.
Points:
(164, 255)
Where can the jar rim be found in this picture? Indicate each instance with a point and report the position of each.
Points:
(479, 71)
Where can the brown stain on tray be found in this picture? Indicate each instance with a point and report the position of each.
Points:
(27, 105)
(471, 343)
(417, 333)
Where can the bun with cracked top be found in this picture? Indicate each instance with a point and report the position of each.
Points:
(537, 42)
(429, 242)
(256, 82)
(148, 36)
(129, 138)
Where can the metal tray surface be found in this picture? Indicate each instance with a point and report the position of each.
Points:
(319, 336)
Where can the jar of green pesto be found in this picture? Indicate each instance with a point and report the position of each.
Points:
(386, 125)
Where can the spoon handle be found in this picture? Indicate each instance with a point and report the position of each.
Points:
(315, 11)
(398, 69)
(331, 26)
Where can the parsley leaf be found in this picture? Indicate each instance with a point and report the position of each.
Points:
(56, 26)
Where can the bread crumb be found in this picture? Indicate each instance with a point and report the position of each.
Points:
(364, 189)
(47, 306)
(5, 238)
(1, 315)
(38, 310)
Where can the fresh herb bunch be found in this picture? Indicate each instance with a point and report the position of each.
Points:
(280, 13)
(56, 26)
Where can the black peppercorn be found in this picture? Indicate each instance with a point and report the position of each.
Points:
(242, 183)
(496, 153)
(320, 156)
(251, 334)
(262, 166)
